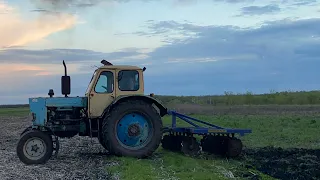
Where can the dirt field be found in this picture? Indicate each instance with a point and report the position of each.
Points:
(285, 163)
(73, 161)
(78, 159)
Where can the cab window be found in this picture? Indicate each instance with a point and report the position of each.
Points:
(105, 82)
(128, 80)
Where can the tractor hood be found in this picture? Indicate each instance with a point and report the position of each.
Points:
(38, 106)
(59, 101)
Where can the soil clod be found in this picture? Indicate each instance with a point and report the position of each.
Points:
(286, 164)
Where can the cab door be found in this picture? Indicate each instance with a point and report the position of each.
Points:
(102, 92)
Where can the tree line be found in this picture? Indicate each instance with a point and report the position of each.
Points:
(229, 98)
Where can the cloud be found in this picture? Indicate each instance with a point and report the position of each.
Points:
(225, 41)
(4, 8)
(169, 31)
(22, 85)
(16, 31)
(62, 6)
(279, 55)
(27, 73)
(235, 1)
(287, 2)
(76, 6)
(259, 10)
(54, 56)
(302, 2)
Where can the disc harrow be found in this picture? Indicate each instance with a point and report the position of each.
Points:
(215, 139)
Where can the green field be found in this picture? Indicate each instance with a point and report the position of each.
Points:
(19, 111)
(230, 98)
(278, 131)
(261, 159)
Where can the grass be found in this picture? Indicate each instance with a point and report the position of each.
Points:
(248, 98)
(132, 168)
(280, 131)
(167, 165)
(17, 112)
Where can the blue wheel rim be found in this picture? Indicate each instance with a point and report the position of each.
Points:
(134, 131)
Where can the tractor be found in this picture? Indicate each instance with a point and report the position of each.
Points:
(116, 111)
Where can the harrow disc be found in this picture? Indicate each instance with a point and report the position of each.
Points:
(190, 146)
(222, 145)
(212, 144)
(171, 142)
(234, 147)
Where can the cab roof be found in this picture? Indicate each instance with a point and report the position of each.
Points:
(120, 67)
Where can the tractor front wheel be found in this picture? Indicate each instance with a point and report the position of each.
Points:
(35, 147)
(133, 128)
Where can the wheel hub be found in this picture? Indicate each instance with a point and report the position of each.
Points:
(134, 130)
(34, 148)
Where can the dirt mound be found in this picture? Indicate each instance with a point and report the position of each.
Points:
(285, 164)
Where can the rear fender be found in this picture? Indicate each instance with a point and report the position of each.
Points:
(161, 108)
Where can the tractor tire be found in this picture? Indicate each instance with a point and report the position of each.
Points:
(26, 130)
(29, 145)
(102, 142)
(128, 125)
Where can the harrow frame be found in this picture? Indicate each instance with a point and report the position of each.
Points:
(216, 139)
(196, 129)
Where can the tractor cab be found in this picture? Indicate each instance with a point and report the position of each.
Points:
(111, 81)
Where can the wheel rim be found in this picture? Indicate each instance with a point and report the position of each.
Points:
(134, 131)
(35, 148)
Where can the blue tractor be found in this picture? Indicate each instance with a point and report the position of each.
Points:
(116, 111)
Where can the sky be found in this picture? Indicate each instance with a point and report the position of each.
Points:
(189, 47)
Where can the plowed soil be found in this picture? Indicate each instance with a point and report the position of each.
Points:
(299, 164)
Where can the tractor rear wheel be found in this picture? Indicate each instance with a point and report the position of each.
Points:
(102, 142)
(35, 147)
(133, 128)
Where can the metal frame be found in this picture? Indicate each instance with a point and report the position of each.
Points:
(197, 129)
